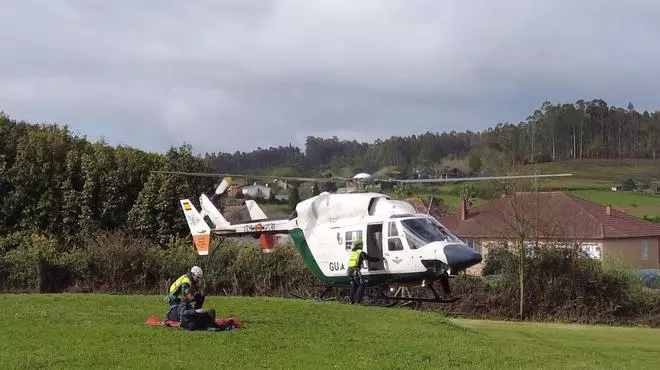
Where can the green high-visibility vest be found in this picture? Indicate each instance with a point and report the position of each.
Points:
(174, 288)
(353, 259)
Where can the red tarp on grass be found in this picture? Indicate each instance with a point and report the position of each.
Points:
(155, 321)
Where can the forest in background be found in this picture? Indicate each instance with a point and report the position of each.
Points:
(554, 132)
(76, 214)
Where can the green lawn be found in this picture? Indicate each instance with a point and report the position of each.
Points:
(591, 180)
(103, 331)
(599, 174)
(636, 204)
(453, 202)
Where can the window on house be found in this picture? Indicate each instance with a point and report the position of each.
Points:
(592, 250)
(475, 244)
(530, 249)
(645, 249)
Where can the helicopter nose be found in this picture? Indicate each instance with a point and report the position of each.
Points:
(460, 257)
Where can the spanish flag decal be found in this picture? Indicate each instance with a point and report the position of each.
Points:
(186, 206)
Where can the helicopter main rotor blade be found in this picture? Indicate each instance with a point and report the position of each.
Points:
(483, 178)
(261, 177)
(223, 185)
(369, 179)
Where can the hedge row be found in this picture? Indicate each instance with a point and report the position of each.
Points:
(559, 284)
(117, 262)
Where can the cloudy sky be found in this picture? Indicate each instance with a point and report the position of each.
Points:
(234, 75)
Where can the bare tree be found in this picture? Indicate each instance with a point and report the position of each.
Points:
(520, 218)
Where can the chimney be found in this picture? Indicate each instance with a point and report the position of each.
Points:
(608, 210)
(464, 209)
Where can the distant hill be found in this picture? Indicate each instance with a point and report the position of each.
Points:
(554, 132)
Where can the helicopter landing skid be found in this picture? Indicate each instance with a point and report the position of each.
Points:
(376, 295)
(400, 291)
(320, 296)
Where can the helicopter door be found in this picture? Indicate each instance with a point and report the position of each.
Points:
(394, 252)
(374, 246)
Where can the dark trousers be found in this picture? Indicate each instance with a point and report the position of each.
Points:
(199, 321)
(357, 284)
(173, 313)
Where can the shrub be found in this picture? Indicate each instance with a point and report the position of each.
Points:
(30, 263)
(560, 284)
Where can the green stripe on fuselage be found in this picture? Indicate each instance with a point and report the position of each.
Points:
(301, 244)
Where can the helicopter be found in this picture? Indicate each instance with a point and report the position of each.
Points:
(415, 248)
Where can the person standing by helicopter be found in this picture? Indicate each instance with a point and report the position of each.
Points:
(355, 261)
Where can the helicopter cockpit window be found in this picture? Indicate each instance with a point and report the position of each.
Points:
(414, 242)
(393, 240)
(421, 231)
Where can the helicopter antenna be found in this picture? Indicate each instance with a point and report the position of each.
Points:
(428, 211)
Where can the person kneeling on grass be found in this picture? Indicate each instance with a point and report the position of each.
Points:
(189, 283)
(192, 318)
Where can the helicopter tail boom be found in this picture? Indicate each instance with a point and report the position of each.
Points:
(264, 230)
(256, 228)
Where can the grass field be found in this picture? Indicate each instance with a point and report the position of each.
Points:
(636, 204)
(600, 173)
(591, 180)
(103, 331)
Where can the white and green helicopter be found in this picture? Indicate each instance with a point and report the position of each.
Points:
(416, 249)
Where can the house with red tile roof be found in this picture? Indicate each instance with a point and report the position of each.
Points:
(557, 218)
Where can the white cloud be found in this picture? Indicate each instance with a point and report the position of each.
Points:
(227, 75)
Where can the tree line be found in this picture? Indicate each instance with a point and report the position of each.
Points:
(553, 132)
(64, 186)
(61, 185)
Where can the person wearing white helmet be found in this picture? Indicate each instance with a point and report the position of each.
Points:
(188, 285)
